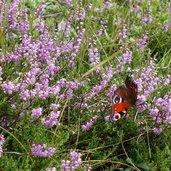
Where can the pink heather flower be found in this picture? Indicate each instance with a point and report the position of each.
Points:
(147, 82)
(42, 150)
(157, 130)
(61, 83)
(36, 113)
(43, 94)
(67, 27)
(126, 57)
(94, 58)
(167, 79)
(81, 13)
(51, 169)
(146, 18)
(136, 9)
(89, 6)
(107, 4)
(99, 10)
(154, 112)
(108, 118)
(166, 27)
(2, 140)
(81, 105)
(23, 25)
(52, 119)
(89, 124)
(68, 2)
(25, 95)
(72, 164)
(111, 92)
(106, 78)
(40, 10)
(52, 69)
(160, 110)
(142, 41)
(3, 11)
(12, 13)
(55, 107)
(9, 87)
(123, 33)
(76, 47)
(102, 29)
(74, 84)
(69, 93)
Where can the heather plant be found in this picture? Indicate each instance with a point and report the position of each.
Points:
(60, 65)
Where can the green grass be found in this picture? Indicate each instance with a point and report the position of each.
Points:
(120, 145)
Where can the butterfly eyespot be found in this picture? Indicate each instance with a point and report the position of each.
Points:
(117, 99)
(117, 116)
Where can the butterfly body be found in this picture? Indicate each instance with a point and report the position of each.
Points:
(124, 97)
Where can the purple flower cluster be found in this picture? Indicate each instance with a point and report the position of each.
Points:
(68, 2)
(52, 118)
(89, 124)
(40, 55)
(107, 4)
(67, 27)
(124, 59)
(146, 18)
(2, 140)
(166, 27)
(72, 164)
(42, 150)
(13, 9)
(76, 47)
(70, 86)
(147, 82)
(51, 169)
(161, 111)
(9, 87)
(94, 57)
(159, 108)
(81, 105)
(36, 113)
(40, 10)
(111, 91)
(142, 41)
(157, 130)
(103, 27)
(81, 14)
(23, 25)
(123, 33)
(106, 78)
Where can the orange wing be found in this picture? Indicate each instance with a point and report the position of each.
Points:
(120, 107)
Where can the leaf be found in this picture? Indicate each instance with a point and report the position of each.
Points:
(129, 160)
(143, 166)
(128, 169)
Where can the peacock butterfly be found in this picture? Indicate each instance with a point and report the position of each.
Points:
(124, 97)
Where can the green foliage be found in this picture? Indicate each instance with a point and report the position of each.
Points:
(122, 145)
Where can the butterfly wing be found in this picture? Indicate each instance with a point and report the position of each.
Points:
(132, 90)
(125, 96)
(119, 103)
(120, 107)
